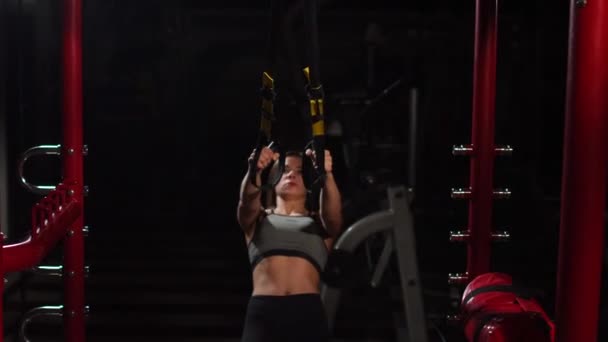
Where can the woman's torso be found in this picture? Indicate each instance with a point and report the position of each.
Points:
(281, 275)
(290, 253)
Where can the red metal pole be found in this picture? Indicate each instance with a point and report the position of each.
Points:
(2, 274)
(73, 169)
(29, 253)
(482, 160)
(583, 198)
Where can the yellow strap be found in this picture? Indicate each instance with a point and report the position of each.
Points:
(318, 128)
(267, 80)
(307, 73)
(316, 108)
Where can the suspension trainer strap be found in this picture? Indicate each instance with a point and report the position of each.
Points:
(315, 98)
(268, 95)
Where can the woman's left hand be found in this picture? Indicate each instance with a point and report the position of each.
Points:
(328, 160)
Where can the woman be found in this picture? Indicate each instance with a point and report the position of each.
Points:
(288, 247)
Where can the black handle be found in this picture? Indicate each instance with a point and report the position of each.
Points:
(254, 162)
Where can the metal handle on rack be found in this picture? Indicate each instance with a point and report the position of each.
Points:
(37, 151)
(462, 150)
(458, 278)
(460, 236)
(461, 193)
(506, 150)
(37, 312)
(55, 270)
(468, 151)
(41, 311)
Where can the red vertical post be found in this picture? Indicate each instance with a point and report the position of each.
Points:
(2, 274)
(482, 159)
(583, 198)
(73, 169)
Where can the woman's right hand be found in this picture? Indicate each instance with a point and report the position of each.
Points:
(267, 156)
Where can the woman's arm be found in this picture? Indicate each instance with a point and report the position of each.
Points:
(249, 206)
(330, 208)
(249, 203)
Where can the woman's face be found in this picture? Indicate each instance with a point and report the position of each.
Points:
(292, 183)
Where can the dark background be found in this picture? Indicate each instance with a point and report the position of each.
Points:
(171, 111)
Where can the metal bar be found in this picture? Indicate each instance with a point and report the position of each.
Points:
(413, 134)
(504, 151)
(459, 236)
(353, 237)
(73, 168)
(49, 310)
(29, 253)
(462, 150)
(502, 194)
(398, 222)
(50, 271)
(583, 198)
(2, 274)
(31, 152)
(501, 236)
(405, 248)
(37, 312)
(383, 260)
(467, 150)
(482, 162)
(463, 236)
(364, 228)
(458, 278)
(461, 193)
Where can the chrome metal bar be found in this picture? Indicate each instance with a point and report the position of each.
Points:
(458, 278)
(55, 271)
(502, 236)
(463, 236)
(56, 311)
(37, 151)
(462, 150)
(504, 150)
(460, 236)
(502, 193)
(52, 271)
(41, 311)
(461, 193)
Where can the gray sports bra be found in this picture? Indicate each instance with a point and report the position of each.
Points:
(297, 236)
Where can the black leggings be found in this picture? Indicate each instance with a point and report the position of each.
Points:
(291, 318)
